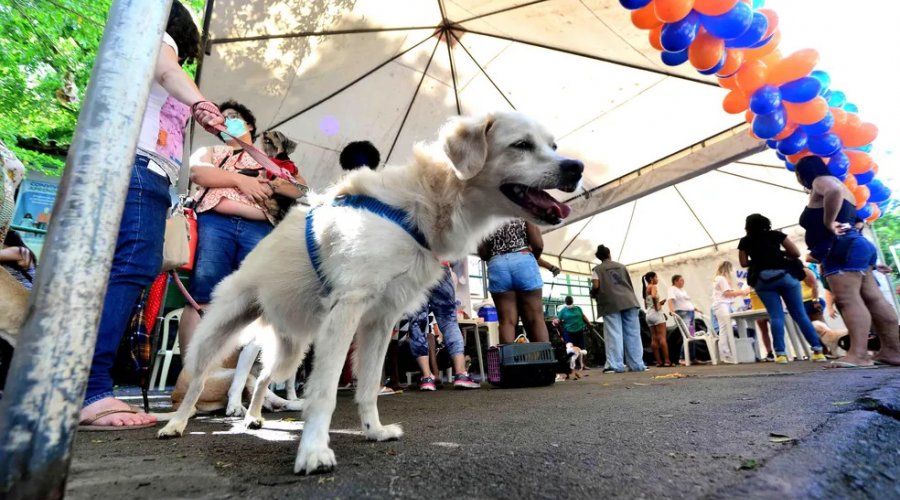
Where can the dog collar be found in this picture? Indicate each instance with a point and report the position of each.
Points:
(360, 201)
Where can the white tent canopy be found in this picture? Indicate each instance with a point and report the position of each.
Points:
(326, 73)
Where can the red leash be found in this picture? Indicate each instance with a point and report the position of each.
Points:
(187, 295)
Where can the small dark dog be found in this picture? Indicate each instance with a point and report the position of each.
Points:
(277, 145)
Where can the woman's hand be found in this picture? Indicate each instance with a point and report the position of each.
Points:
(20, 255)
(257, 188)
(839, 228)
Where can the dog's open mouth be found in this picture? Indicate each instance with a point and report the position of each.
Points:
(538, 202)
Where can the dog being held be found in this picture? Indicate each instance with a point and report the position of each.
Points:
(346, 267)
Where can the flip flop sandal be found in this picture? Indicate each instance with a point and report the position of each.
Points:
(844, 365)
(87, 424)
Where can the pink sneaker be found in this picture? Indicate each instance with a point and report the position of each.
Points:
(464, 381)
(427, 384)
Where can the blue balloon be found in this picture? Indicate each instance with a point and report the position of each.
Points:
(793, 143)
(674, 58)
(634, 4)
(790, 166)
(678, 36)
(884, 206)
(878, 192)
(865, 177)
(865, 212)
(765, 100)
(837, 99)
(731, 24)
(839, 165)
(824, 145)
(781, 156)
(824, 78)
(753, 35)
(772, 144)
(758, 4)
(851, 108)
(802, 90)
(715, 69)
(762, 41)
(865, 149)
(769, 125)
(820, 127)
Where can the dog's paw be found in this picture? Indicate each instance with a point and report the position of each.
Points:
(252, 422)
(235, 410)
(317, 460)
(293, 405)
(173, 429)
(390, 432)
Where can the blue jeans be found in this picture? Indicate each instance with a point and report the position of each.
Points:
(576, 338)
(771, 293)
(441, 302)
(223, 241)
(622, 330)
(514, 271)
(136, 264)
(850, 253)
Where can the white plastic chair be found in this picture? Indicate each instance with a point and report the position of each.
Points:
(164, 350)
(712, 341)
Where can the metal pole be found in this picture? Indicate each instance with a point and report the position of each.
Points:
(49, 371)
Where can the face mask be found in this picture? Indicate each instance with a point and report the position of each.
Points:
(236, 128)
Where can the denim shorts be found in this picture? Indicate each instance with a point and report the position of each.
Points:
(514, 271)
(223, 241)
(850, 253)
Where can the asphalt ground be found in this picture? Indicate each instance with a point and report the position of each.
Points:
(758, 431)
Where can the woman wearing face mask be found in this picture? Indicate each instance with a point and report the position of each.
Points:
(232, 215)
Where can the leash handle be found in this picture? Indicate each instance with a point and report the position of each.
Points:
(257, 155)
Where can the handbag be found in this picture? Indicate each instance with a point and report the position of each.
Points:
(180, 243)
(795, 268)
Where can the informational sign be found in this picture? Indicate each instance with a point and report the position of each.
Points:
(33, 209)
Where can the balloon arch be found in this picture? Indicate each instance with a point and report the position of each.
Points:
(787, 102)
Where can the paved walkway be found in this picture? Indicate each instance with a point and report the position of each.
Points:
(760, 430)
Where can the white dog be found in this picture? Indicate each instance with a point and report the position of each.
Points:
(348, 264)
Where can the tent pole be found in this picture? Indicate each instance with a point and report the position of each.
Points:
(483, 70)
(49, 371)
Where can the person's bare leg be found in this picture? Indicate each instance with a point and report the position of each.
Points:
(533, 315)
(884, 321)
(189, 320)
(763, 329)
(507, 314)
(424, 366)
(663, 343)
(459, 364)
(432, 354)
(654, 345)
(847, 291)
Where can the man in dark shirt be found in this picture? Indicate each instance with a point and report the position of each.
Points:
(618, 305)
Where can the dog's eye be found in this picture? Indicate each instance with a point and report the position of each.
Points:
(553, 146)
(523, 145)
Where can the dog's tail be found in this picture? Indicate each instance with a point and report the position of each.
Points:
(233, 307)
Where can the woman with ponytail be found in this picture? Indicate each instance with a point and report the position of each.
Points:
(656, 319)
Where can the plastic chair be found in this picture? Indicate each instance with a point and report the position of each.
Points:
(164, 350)
(711, 340)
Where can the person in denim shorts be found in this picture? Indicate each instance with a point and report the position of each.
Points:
(834, 239)
(441, 303)
(514, 278)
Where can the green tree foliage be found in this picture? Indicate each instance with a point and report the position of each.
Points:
(47, 50)
(887, 228)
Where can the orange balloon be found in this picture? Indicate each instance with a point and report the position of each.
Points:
(788, 130)
(644, 18)
(671, 11)
(876, 213)
(748, 117)
(655, 34)
(765, 49)
(840, 117)
(874, 168)
(860, 161)
(861, 193)
(729, 83)
(793, 67)
(714, 7)
(860, 136)
(772, 17)
(733, 60)
(735, 102)
(851, 183)
(853, 120)
(807, 113)
(772, 59)
(706, 51)
(799, 156)
(751, 76)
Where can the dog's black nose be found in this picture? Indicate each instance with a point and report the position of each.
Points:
(571, 167)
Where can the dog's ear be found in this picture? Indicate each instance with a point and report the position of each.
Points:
(288, 145)
(466, 144)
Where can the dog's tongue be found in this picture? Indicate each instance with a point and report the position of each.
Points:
(542, 200)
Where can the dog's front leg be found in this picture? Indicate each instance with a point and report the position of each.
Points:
(241, 380)
(253, 419)
(371, 345)
(291, 387)
(332, 342)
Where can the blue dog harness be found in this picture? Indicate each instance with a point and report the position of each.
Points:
(396, 215)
